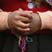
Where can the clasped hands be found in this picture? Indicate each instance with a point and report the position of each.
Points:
(23, 21)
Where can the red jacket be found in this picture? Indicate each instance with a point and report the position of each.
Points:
(11, 5)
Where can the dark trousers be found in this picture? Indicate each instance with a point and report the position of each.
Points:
(41, 43)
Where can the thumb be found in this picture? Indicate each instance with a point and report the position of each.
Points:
(20, 9)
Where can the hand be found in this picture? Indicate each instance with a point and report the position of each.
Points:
(19, 20)
(35, 24)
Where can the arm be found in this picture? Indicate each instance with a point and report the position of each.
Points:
(42, 20)
(15, 20)
(3, 20)
(46, 20)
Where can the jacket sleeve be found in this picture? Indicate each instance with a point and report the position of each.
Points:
(1, 4)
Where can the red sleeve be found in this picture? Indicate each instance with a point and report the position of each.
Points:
(10, 5)
(1, 4)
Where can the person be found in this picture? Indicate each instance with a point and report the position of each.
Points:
(38, 42)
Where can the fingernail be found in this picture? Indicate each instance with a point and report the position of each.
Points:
(28, 29)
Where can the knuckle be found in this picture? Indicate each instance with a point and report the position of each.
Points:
(21, 29)
(26, 25)
(23, 26)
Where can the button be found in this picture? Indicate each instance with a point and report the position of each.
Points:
(30, 5)
(29, 40)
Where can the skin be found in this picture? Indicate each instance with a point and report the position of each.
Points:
(19, 21)
(22, 22)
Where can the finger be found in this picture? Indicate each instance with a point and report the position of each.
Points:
(23, 29)
(28, 11)
(21, 24)
(24, 13)
(22, 18)
(21, 10)
(25, 19)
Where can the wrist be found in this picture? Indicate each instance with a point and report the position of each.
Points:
(46, 20)
(43, 22)
(4, 20)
